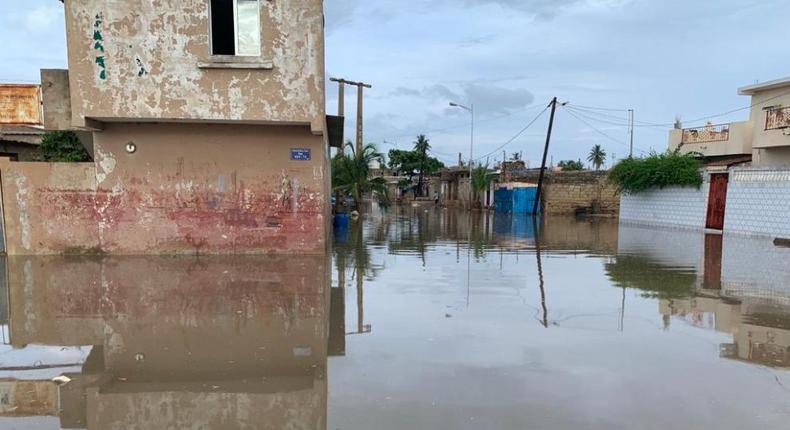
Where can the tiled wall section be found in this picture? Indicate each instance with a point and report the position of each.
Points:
(683, 207)
(758, 202)
(754, 267)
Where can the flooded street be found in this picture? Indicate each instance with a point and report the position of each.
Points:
(421, 319)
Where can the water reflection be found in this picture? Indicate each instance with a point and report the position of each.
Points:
(420, 318)
(170, 342)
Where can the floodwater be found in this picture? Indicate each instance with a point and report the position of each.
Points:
(421, 319)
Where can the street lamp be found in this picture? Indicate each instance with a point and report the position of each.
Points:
(471, 110)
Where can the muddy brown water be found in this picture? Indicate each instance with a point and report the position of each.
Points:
(422, 318)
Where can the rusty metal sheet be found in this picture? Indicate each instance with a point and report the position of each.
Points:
(20, 104)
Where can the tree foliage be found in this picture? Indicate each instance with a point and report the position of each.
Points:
(597, 157)
(570, 165)
(481, 178)
(63, 146)
(407, 163)
(350, 173)
(634, 175)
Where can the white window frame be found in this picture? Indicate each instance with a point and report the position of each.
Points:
(236, 31)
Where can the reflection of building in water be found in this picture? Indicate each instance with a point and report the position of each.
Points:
(217, 343)
(760, 329)
(733, 284)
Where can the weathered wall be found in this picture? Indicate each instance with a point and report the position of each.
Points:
(152, 61)
(49, 207)
(684, 207)
(758, 202)
(211, 188)
(28, 398)
(56, 99)
(564, 192)
(186, 189)
(775, 157)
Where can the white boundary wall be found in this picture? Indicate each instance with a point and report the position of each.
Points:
(683, 207)
(758, 202)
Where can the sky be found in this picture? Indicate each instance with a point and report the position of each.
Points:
(662, 58)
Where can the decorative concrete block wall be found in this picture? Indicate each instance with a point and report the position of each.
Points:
(754, 267)
(683, 207)
(758, 202)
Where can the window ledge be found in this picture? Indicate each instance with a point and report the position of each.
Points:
(236, 62)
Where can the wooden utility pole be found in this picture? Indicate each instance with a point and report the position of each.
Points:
(360, 106)
(537, 205)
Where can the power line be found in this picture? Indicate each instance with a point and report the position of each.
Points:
(440, 130)
(516, 135)
(571, 113)
(601, 108)
(668, 125)
(639, 123)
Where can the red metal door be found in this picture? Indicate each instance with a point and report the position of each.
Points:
(717, 200)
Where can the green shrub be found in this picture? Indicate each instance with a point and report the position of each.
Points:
(634, 175)
(63, 146)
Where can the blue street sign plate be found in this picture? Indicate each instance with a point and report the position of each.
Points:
(300, 154)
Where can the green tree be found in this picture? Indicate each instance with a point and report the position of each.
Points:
(570, 165)
(412, 163)
(481, 179)
(63, 146)
(421, 147)
(597, 157)
(350, 173)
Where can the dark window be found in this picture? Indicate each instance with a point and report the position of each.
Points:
(223, 28)
(236, 27)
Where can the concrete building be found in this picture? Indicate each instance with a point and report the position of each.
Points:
(209, 132)
(765, 136)
(746, 187)
(20, 143)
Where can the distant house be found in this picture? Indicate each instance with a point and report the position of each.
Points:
(20, 143)
(764, 138)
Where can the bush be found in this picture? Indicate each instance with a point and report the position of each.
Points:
(63, 146)
(634, 175)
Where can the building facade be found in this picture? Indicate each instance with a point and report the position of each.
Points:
(209, 132)
(765, 137)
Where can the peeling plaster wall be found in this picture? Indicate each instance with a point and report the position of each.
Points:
(49, 207)
(210, 189)
(202, 189)
(145, 59)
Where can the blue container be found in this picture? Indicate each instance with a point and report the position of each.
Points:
(340, 224)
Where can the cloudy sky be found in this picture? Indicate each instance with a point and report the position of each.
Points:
(663, 58)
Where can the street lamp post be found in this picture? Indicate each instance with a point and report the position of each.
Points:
(471, 110)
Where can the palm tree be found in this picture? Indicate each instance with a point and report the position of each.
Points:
(597, 157)
(421, 147)
(350, 173)
(481, 179)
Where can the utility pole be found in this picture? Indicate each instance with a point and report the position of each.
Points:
(360, 105)
(471, 110)
(631, 122)
(537, 205)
